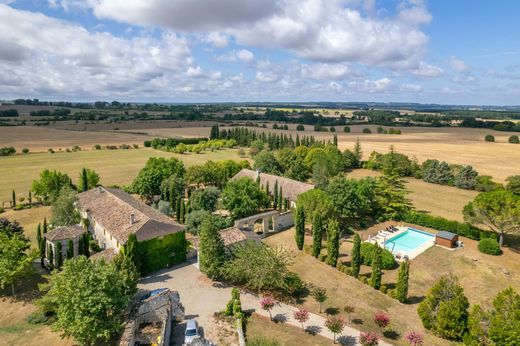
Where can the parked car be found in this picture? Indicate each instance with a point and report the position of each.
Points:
(192, 331)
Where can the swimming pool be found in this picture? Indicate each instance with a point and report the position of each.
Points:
(411, 242)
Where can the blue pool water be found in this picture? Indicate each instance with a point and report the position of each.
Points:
(408, 241)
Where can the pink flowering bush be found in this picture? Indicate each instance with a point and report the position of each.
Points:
(381, 319)
(368, 339)
(414, 338)
(267, 303)
(301, 315)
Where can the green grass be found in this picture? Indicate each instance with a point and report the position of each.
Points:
(116, 167)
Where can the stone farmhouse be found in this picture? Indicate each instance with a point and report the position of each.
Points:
(112, 215)
(291, 188)
(60, 237)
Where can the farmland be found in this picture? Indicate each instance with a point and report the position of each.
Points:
(115, 167)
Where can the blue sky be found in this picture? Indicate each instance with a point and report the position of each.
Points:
(453, 52)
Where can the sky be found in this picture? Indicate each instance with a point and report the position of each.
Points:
(442, 51)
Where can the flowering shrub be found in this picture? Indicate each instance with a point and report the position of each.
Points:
(301, 315)
(267, 303)
(382, 319)
(368, 339)
(414, 338)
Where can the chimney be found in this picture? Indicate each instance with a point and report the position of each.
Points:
(132, 218)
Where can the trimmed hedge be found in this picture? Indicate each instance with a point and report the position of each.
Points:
(489, 246)
(442, 224)
(159, 253)
(388, 261)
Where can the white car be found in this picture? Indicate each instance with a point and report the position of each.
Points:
(192, 332)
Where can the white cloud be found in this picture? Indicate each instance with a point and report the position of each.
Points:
(266, 77)
(325, 71)
(414, 88)
(333, 86)
(426, 70)
(216, 39)
(458, 65)
(372, 86)
(245, 55)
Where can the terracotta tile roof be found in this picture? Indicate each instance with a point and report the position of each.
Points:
(108, 255)
(113, 210)
(230, 236)
(64, 233)
(291, 189)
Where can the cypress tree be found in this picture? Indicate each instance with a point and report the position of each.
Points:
(59, 256)
(81, 246)
(335, 140)
(356, 256)
(30, 198)
(211, 249)
(332, 242)
(41, 243)
(401, 290)
(297, 140)
(131, 251)
(183, 212)
(50, 256)
(375, 279)
(14, 199)
(172, 201)
(280, 199)
(317, 235)
(44, 225)
(84, 180)
(39, 233)
(178, 210)
(70, 249)
(86, 244)
(267, 188)
(299, 223)
(275, 195)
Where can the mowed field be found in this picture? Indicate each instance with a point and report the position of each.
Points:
(439, 200)
(115, 167)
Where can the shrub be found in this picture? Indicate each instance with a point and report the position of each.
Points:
(383, 289)
(368, 339)
(300, 128)
(6, 151)
(346, 129)
(332, 129)
(367, 130)
(51, 150)
(440, 223)
(489, 246)
(367, 249)
(489, 138)
(381, 319)
(322, 257)
(363, 279)
(513, 139)
(25, 150)
(414, 338)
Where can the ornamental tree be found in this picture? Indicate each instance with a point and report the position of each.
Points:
(349, 309)
(499, 210)
(368, 339)
(414, 338)
(301, 315)
(335, 325)
(267, 303)
(320, 295)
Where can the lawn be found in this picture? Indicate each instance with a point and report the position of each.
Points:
(115, 167)
(439, 200)
(482, 276)
(29, 219)
(259, 328)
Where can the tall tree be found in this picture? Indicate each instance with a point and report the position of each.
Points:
(45, 227)
(280, 199)
(64, 212)
(275, 195)
(41, 244)
(211, 249)
(15, 261)
(49, 185)
(86, 244)
(317, 235)
(513, 184)
(499, 210)
(129, 274)
(90, 300)
(50, 256)
(157, 169)
(356, 256)
(244, 197)
(358, 153)
(299, 223)
(401, 290)
(332, 242)
(375, 278)
(84, 180)
(391, 196)
(13, 203)
(444, 310)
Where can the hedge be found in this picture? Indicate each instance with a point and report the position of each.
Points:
(159, 253)
(367, 250)
(442, 224)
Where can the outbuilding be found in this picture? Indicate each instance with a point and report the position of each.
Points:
(446, 239)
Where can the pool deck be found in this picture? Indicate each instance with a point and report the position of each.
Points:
(400, 255)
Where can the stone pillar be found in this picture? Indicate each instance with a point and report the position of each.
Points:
(275, 223)
(265, 223)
